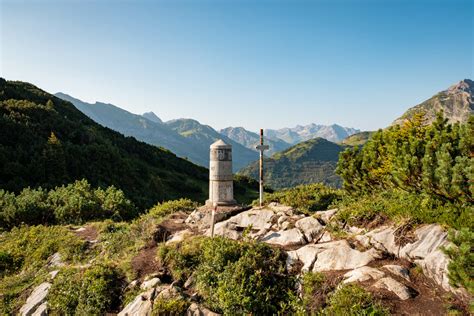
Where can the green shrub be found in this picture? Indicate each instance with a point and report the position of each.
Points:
(461, 253)
(400, 206)
(93, 291)
(181, 258)
(306, 198)
(170, 307)
(72, 204)
(30, 247)
(242, 277)
(232, 277)
(161, 210)
(63, 296)
(352, 300)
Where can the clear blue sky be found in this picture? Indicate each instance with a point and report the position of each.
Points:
(255, 64)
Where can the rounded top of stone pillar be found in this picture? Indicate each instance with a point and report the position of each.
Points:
(220, 144)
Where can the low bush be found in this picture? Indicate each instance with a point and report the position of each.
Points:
(306, 198)
(71, 204)
(461, 253)
(353, 300)
(232, 277)
(28, 248)
(93, 291)
(170, 307)
(164, 209)
(400, 206)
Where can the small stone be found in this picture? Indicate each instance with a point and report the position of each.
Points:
(140, 306)
(42, 310)
(150, 284)
(53, 274)
(198, 310)
(282, 220)
(189, 282)
(326, 215)
(388, 283)
(285, 225)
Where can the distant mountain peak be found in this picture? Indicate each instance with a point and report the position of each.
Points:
(152, 117)
(466, 85)
(457, 104)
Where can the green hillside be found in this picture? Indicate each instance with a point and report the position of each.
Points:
(45, 141)
(205, 135)
(358, 139)
(308, 162)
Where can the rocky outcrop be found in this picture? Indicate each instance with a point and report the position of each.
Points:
(36, 300)
(285, 238)
(340, 256)
(310, 227)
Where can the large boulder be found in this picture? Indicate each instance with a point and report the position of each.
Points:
(286, 238)
(383, 238)
(36, 299)
(310, 227)
(341, 256)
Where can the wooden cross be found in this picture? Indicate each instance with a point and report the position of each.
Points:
(261, 148)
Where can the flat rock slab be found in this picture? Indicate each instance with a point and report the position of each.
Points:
(342, 257)
(429, 239)
(285, 238)
(388, 283)
(363, 274)
(307, 254)
(36, 298)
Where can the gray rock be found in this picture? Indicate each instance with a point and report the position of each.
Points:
(140, 306)
(310, 227)
(55, 260)
(179, 236)
(307, 254)
(398, 271)
(277, 208)
(429, 239)
(326, 215)
(189, 282)
(53, 274)
(286, 238)
(152, 283)
(342, 257)
(383, 238)
(36, 298)
(168, 292)
(363, 274)
(285, 225)
(402, 291)
(325, 237)
(198, 310)
(282, 219)
(42, 310)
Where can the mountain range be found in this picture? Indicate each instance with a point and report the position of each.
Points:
(46, 141)
(307, 162)
(187, 138)
(190, 139)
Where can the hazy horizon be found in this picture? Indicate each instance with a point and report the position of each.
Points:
(267, 64)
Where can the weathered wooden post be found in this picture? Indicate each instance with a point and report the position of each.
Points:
(261, 148)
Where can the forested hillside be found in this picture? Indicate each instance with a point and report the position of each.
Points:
(311, 161)
(45, 141)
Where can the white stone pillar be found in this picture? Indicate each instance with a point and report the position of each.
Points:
(221, 185)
